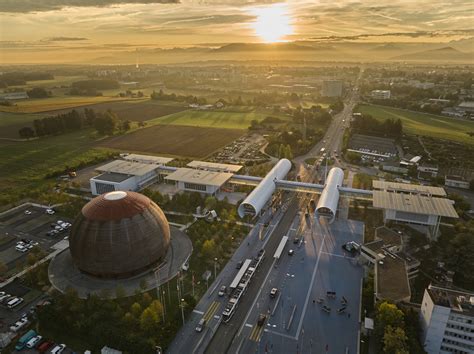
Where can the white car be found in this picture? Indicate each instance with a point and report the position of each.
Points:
(27, 212)
(21, 248)
(59, 222)
(50, 211)
(33, 342)
(58, 349)
(19, 324)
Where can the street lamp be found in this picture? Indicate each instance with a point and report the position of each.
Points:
(215, 268)
(182, 309)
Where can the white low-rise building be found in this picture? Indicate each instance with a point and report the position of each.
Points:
(456, 182)
(381, 94)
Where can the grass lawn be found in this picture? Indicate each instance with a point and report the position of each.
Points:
(11, 123)
(38, 105)
(211, 119)
(24, 165)
(424, 124)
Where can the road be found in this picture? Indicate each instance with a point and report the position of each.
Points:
(221, 338)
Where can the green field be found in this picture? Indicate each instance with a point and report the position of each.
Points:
(38, 105)
(24, 165)
(424, 124)
(7, 118)
(211, 119)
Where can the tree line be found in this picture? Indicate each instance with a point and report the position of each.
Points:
(366, 124)
(105, 123)
(160, 95)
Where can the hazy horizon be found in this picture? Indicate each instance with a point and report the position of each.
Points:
(84, 30)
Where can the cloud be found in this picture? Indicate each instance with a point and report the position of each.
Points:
(66, 39)
(25, 6)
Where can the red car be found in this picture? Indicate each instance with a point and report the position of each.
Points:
(43, 347)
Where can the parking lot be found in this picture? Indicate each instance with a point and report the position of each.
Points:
(22, 229)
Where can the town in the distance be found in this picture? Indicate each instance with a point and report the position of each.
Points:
(279, 196)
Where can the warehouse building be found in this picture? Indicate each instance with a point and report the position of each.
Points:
(447, 321)
(456, 182)
(202, 181)
(381, 94)
(413, 204)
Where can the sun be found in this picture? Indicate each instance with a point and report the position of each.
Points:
(272, 23)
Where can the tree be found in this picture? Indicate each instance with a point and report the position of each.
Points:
(38, 92)
(148, 320)
(136, 309)
(3, 269)
(471, 185)
(459, 256)
(209, 249)
(210, 203)
(126, 124)
(26, 133)
(395, 341)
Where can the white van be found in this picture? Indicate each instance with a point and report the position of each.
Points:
(14, 302)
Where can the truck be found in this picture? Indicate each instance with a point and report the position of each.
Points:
(21, 344)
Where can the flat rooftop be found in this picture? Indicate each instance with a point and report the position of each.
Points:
(459, 301)
(408, 188)
(128, 167)
(157, 160)
(212, 166)
(190, 175)
(392, 280)
(413, 203)
(111, 177)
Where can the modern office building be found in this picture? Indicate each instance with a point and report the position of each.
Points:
(447, 321)
(331, 88)
(202, 181)
(413, 204)
(381, 94)
(133, 173)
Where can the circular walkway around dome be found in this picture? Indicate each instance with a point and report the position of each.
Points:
(64, 274)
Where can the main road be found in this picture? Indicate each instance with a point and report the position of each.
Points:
(219, 337)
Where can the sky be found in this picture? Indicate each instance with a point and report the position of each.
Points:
(30, 25)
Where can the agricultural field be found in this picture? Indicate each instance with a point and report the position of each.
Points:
(424, 124)
(185, 141)
(10, 123)
(39, 105)
(24, 165)
(136, 110)
(58, 81)
(211, 119)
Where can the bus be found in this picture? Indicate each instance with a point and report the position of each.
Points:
(21, 344)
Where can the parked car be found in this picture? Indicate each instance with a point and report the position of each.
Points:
(19, 325)
(290, 252)
(21, 248)
(45, 346)
(200, 325)
(350, 247)
(33, 342)
(296, 240)
(28, 212)
(273, 292)
(50, 211)
(240, 264)
(222, 290)
(58, 349)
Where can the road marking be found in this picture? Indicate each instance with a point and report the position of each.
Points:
(336, 255)
(257, 296)
(303, 313)
(256, 333)
(198, 312)
(211, 310)
(248, 325)
(281, 334)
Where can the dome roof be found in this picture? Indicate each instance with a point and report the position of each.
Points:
(119, 234)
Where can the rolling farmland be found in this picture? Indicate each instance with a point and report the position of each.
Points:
(424, 124)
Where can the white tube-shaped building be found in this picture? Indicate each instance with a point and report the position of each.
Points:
(329, 199)
(253, 204)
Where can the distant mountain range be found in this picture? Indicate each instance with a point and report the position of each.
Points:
(460, 51)
(448, 54)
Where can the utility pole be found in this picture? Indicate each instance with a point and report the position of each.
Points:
(182, 309)
(215, 268)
